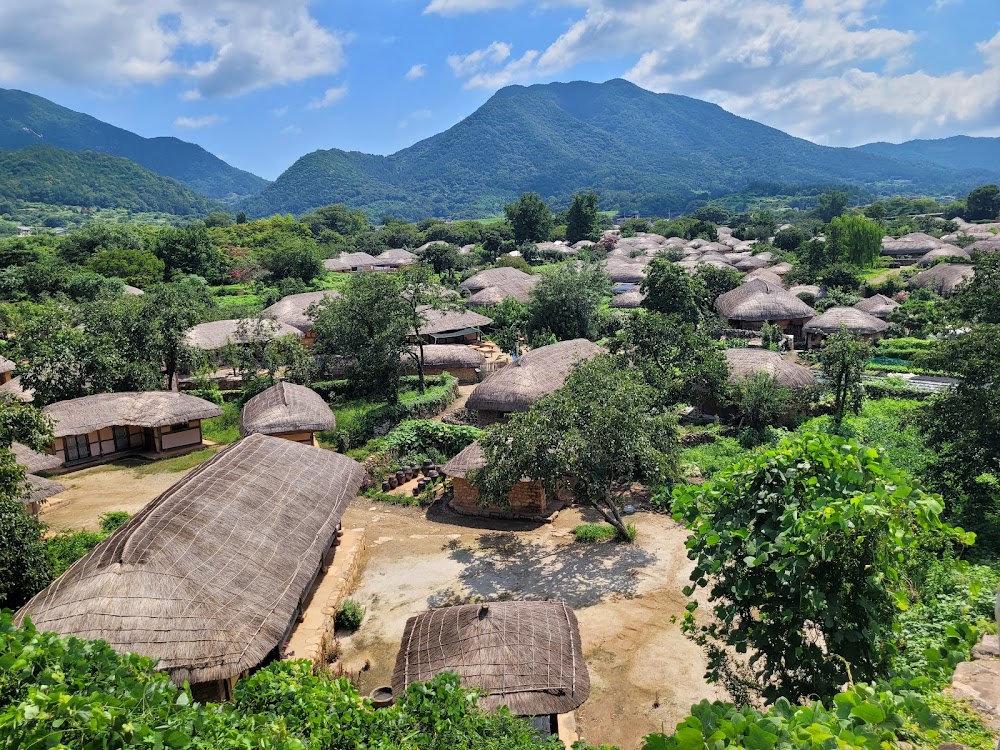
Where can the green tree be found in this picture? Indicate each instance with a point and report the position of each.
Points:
(669, 290)
(172, 309)
(99, 235)
(510, 320)
(983, 203)
(761, 401)
(190, 250)
(856, 239)
(920, 313)
(600, 429)
(366, 328)
(566, 302)
(716, 282)
(791, 238)
(337, 218)
(530, 217)
(290, 257)
(844, 357)
(136, 267)
(443, 257)
(802, 549)
(581, 219)
(218, 219)
(831, 205)
(978, 300)
(422, 293)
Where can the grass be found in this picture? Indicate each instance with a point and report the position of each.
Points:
(712, 457)
(225, 429)
(171, 465)
(332, 280)
(595, 532)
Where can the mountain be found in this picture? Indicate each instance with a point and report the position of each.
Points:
(46, 174)
(958, 152)
(28, 120)
(649, 152)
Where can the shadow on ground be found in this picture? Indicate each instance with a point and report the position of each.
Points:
(504, 566)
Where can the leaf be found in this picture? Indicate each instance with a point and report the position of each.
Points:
(869, 713)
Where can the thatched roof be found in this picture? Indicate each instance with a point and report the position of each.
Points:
(396, 257)
(291, 310)
(765, 274)
(218, 333)
(780, 269)
(14, 389)
(471, 458)
(854, 320)
(915, 243)
(816, 291)
(622, 269)
(449, 355)
(79, 416)
(445, 321)
(538, 373)
(749, 264)
(878, 305)
(41, 488)
(759, 300)
(500, 277)
(746, 362)
(984, 246)
(943, 278)
(349, 261)
(286, 407)
(518, 288)
(6, 365)
(34, 461)
(628, 300)
(207, 578)
(524, 655)
(943, 251)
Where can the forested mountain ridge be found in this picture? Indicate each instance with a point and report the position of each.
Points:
(29, 120)
(957, 152)
(649, 152)
(46, 174)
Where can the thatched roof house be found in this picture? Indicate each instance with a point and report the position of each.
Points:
(218, 333)
(40, 487)
(34, 461)
(878, 305)
(396, 258)
(535, 374)
(813, 290)
(499, 277)
(526, 656)
(751, 263)
(39, 490)
(627, 300)
(209, 578)
(133, 291)
(291, 310)
(109, 425)
(942, 251)
(853, 320)
(459, 360)
(744, 363)
(289, 411)
(984, 246)
(757, 301)
(349, 262)
(913, 244)
(452, 326)
(944, 278)
(14, 389)
(764, 274)
(6, 370)
(625, 270)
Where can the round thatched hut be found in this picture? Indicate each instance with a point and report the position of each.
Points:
(627, 300)
(210, 578)
(764, 274)
(744, 363)
(461, 361)
(292, 311)
(942, 251)
(756, 302)
(288, 411)
(878, 305)
(350, 262)
(944, 278)
(860, 323)
(217, 334)
(500, 277)
(16, 391)
(6, 370)
(396, 258)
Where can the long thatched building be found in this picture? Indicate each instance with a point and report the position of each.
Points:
(210, 577)
(289, 411)
(293, 311)
(459, 360)
(107, 426)
(855, 321)
(944, 278)
(878, 305)
(744, 363)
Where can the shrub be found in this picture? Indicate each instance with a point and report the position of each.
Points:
(112, 520)
(594, 532)
(349, 615)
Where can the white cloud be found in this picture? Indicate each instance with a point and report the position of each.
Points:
(456, 7)
(419, 115)
(416, 71)
(222, 47)
(330, 96)
(197, 122)
(472, 63)
(291, 130)
(939, 5)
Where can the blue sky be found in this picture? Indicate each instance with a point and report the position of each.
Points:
(262, 82)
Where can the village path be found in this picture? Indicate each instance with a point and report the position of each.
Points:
(645, 673)
(459, 403)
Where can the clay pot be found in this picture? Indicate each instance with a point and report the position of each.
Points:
(432, 475)
(386, 486)
(401, 477)
(407, 474)
(381, 697)
(393, 482)
(421, 485)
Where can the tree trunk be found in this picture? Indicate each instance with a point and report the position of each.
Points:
(420, 364)
(612, 516)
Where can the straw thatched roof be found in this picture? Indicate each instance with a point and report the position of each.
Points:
(878, 305)
(471, 458)
(854, 320)
(944, 278)
(437, 322)
(349, 261)
(286, 407)
(449, 355)
(943, 251)
(500, 277)
(759, 300)
(6, 365)
(526, 656)
(208, 577)
(79, 416)
(14, 389)
(40, 488)
(396, 258)
(34, 461)
(218, 333)
(765, 274)
(628, 300)
(915, 243)
(816, 291)
(984, 246)
(538, 373)
(749, 264)
(625, 270)
(291, 310)
(746, 362)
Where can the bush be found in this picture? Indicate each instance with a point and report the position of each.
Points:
(594, 532)
(112, 520)
(349, 615)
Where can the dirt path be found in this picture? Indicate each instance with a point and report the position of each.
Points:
(458, 403)
(627, 598)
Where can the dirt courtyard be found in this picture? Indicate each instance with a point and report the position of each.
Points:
(645, 673)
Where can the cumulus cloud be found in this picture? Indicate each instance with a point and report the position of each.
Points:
(223, 47)
(330, 96)
(416, 71)
(456, 7)
(472, 63)
(196, 122)
(291, 130)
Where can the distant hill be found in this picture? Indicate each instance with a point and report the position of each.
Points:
(29, 120)
(46, 174)
(958, 152)
(649, 152)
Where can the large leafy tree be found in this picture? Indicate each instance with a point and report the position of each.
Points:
(581, 218)
(172, 309)
(983, 203)
(844, 357)
(189, 250)
(601, 430)
(136, 267)
(978, 299)
(366, 329)
(670, 290)
(421, 292)
(291, 257)
(530, 217)
(715, 282)
(565, 302)
(855, 239)
(801, 549)
(832, 204)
